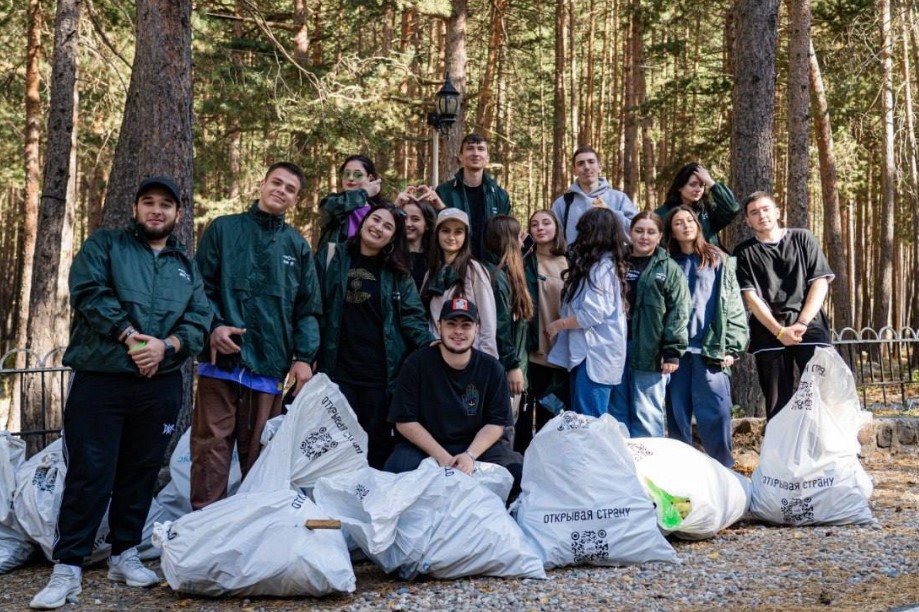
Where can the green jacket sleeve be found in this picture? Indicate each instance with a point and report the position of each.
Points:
(724, 207)
(507, 348)
(90, 290)
(307, 310)
(195, 324)
(413, 316)
(675, 338)
(207, 258)
(736, 332)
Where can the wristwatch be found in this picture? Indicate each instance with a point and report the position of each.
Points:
(170, 350)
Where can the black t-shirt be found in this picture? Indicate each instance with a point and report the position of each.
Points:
(475, 198)
(637, 265)
(452, 405)
(781, 274)
(361, 351)
(419, 268)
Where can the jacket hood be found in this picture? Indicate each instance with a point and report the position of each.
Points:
(603, 187)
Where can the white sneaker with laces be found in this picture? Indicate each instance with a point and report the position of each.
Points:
(128, 568)
(63, 587)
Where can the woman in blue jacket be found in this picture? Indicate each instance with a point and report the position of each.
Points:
(372, 318)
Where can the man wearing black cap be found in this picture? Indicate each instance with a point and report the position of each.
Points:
(452, 401)
(139, 311)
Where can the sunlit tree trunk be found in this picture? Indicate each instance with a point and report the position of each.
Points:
(559, 115)
(455, 60)
(884, 287)
(799, 21)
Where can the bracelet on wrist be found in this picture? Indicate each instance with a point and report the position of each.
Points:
(778, 336)
(471, 456)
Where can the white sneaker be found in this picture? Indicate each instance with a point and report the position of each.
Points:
(128, 568)
(63, 587)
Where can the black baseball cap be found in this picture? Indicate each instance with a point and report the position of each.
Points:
(158, 181)
(459, 308)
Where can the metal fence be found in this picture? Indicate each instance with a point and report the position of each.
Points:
(885, 364)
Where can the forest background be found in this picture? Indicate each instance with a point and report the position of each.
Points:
(812, 99)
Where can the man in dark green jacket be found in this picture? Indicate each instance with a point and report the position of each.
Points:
(473, 191)
(139, 311)
(261, 281)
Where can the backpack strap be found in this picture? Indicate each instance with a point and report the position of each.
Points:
(569, 200)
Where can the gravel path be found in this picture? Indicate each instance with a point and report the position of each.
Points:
(747, 566)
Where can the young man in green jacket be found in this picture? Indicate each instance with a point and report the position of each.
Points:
(139, 311)
(261, 281)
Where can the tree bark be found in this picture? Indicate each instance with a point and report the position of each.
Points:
(884, 288)
(910, 48)
(630, 106)
(799, 21)
(832, 221)
(49, 307)
(156, 129)
(559, 115)
(455, 60)
(485, 111)
(755, 25)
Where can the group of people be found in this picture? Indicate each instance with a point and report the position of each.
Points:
(453, 332)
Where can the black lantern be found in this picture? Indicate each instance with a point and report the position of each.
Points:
(447, 104)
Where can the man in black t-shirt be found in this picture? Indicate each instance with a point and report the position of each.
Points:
(784, 278)
(452, 402)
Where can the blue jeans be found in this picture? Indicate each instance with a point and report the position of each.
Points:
(699, 389)
(587, 396)
(647, 391)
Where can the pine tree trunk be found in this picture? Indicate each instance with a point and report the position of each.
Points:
(882, 305)
(832, 222)
(630, 105)
(799, 21)
(455, 58)
(755, 30)
(559, 115)
(910, 48)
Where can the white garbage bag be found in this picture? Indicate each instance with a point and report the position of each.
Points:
(15, 547)
(319, 436)
(808, 472)
(39, 490)
(696, 497)
(254, 544)
(581, 502)
(432, 521)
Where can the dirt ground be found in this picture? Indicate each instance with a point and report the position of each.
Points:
(896, 492)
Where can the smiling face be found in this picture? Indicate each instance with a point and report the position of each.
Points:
(457, 335)
(280, 190)
(645, 237)
(587, 169)
(156, 212)
(354, 176)
(451, 235)
(377, 231)
(542, 228)
(474, 156)
(683, 227)
(762, 215)
(414, 224)
(692, 191)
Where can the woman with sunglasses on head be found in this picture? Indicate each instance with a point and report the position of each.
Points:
(591, 332)
(701, 385)
(373, 317)
(453, 272)
(543, 265)
(341, 213)
(658, 313)
(419, 230)
(713, 202)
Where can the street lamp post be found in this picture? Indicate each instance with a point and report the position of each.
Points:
(447, 103)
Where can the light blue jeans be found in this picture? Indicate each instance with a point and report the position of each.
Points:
(587, 396)
(638, 402)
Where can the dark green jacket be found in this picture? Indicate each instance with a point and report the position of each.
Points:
(659, 320)
(722, 209)
(116, 281)
(511, 334)
(531, 270)
(728, 333)
(453, 194)
(334, 210)
(405, 324)
(259, 275)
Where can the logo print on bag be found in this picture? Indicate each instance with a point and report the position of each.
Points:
(639, 451)
(804, 398)
(42, 481)
(317, 444)
(589, 545)
(571, 420)
(797, 510)
(360, 491)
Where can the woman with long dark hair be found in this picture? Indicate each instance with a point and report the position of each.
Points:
(591, 332)
(372, 318)
(453, 272)
(419, 228)
(701, 385)
(341, 213)
(713, 203)
(658, 312)
(513, 305)
(547, 384)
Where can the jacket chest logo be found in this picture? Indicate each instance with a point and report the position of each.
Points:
(184, 274)
(289, 260)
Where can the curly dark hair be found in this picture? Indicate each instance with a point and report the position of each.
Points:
(599, 234)
(682, 177)
(397, 258)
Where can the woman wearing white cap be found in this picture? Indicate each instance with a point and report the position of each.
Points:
(453, 272)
